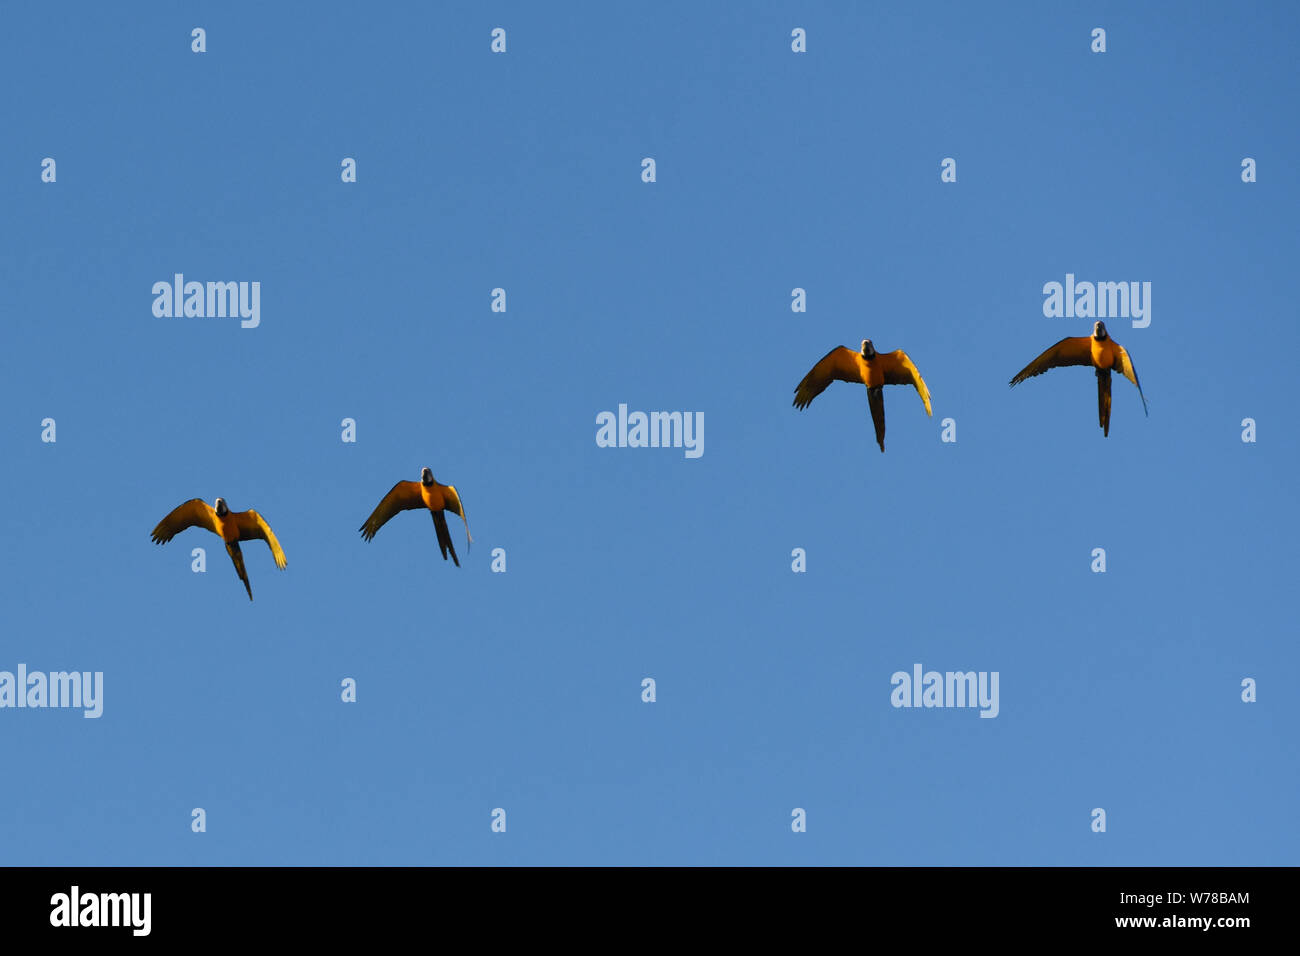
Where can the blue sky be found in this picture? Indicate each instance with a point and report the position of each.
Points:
(522, 690)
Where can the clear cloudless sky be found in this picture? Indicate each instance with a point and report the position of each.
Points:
(522, 690)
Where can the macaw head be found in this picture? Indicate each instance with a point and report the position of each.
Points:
(222, 510)
(1099, 331)
(868, 350)
(426, 476)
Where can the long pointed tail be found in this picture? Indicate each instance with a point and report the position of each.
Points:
(876, 399)
(444, 536)
(1103, 400)
(236, 555)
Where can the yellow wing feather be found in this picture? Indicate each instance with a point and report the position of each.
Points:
(454, 505)
(1074, 350)
(838, 365)
(403, 496)
(1124, 365)
(899, 370)
(253, 526)
(195, 513)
